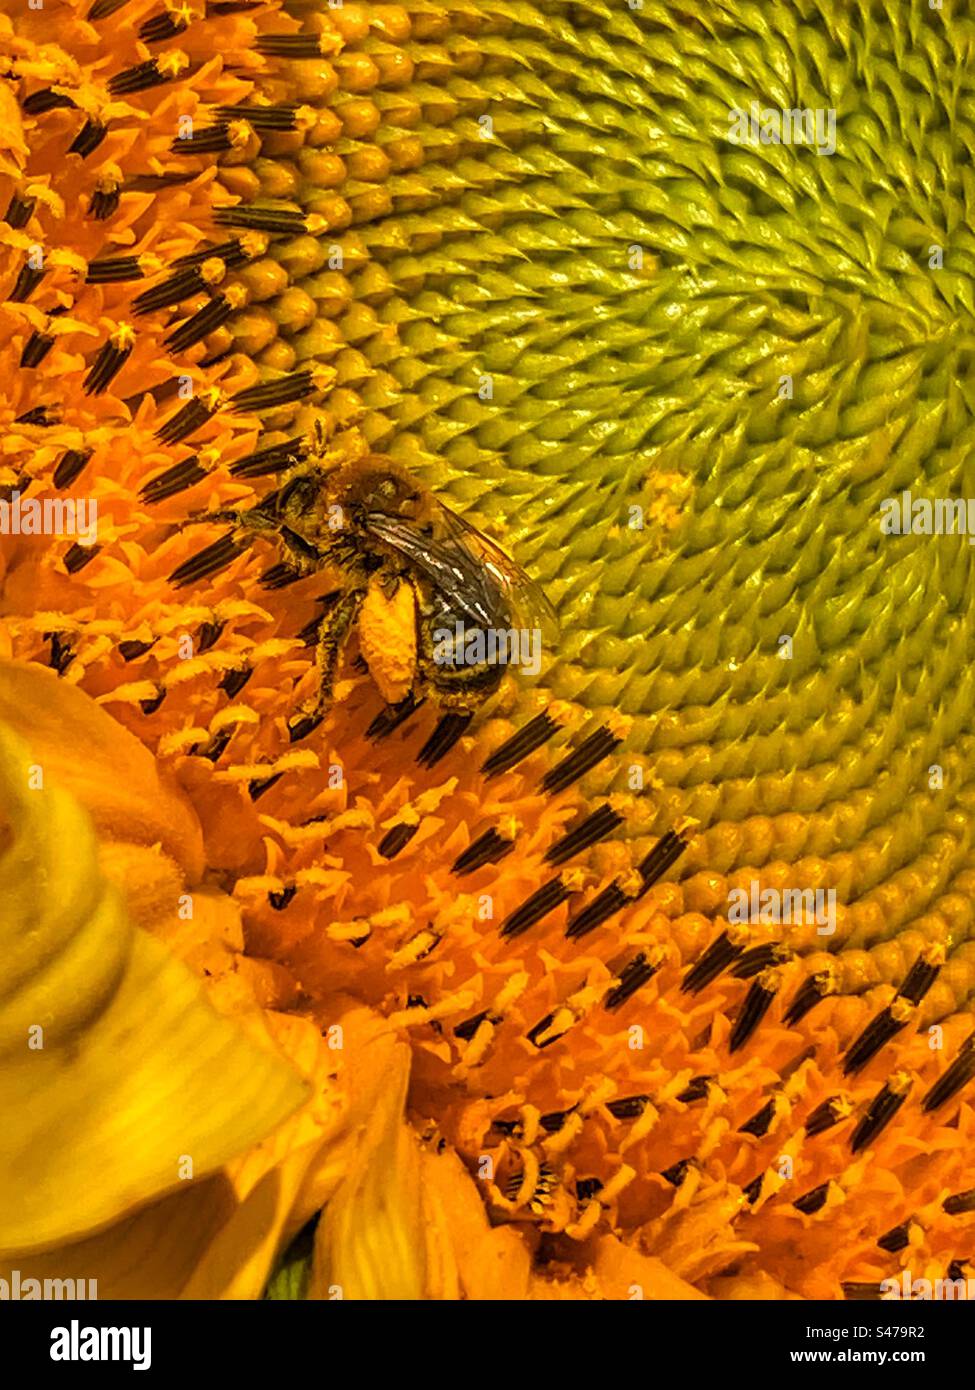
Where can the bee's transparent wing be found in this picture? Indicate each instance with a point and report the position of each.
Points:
(471, 571)
(526, 599)
(457, 577)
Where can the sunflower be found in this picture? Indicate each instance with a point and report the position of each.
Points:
(515, 1036)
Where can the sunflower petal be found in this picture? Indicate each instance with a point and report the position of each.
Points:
(108, 1048)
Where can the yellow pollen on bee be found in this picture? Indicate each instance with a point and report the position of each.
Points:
(387, 640)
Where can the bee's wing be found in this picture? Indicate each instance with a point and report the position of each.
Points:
(457, 577)
(526, 599)
(471, 571)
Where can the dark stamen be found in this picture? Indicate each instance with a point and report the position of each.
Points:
(826, 1115)
(187, 473)
(449, 729)
(101, 9)
(881, 1111)
(38, 103)
(273, 460)
(584, 833)
(213, 750)
(588, 1188)
(206, 562)
(113, 268)
(234, 681)
(140, 78)
(592, 751)
(756, 1006)
(950, 1083)
(107, 365)
(185, 284)
(19, 212)
(279, 576)
(62, 654)
(631, 978)
(76, 557)
(754, 1189)
(863, 1293)
(719, 955)
(289, 45)
(303, 725)
(758, 959)
(896, 1238)
(131, 649)
(814, 1200)
(103, 202)
(257, 789)
(960, 1203)
(204, 322)
(208, 139)
(878, 1032)
(511, 1129)
(555, 1120)
(921, 977)
(275, 220)
(628, 1107)
(520, 744)
(209, 634)
(186, 421)
(279, 901)
(542, 1027)
(543, 901)
(232, 253)
(89, 137)
(595, 913)
(696, 1089)
(26, 283)
(261, 117)
(392, 716)
(678, 1171)
(466, 1030)
(43, 415)
(159, 27)
(488, 848)
(271, 394)
(760, 1122)
(396, 839)
(664, 854)
(36, 348)
(151, 705)
(69, 465)
(815, 989)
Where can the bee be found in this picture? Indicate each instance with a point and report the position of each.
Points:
(412, 575)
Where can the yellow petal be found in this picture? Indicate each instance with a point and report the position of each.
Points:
(81, 749)
(370, 1241)
(117, 1078)
(473, 1259)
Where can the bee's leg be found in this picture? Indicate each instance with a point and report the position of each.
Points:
(332, 634)
(247, 518)
(302, 558)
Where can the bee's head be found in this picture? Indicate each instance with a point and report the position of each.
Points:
(379, 488)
